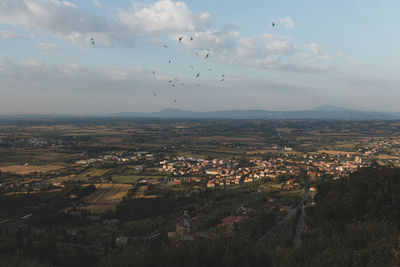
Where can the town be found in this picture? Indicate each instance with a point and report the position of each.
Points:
(105, 187)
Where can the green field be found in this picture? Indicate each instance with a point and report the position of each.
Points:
(130, 179)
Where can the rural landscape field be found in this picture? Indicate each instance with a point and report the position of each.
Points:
(102, 191)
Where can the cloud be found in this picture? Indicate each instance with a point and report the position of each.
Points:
(62, 19)
(276, 62)
(339, 54)
(357, 63)
(7, 34)
(278, 44)
(221, 41)
(249, 47)
(36, 75)
(164, 16)
(97, 3)
(71, 88)
(287, 22)
(149, 23)
(47, 46)
(52, 16)
(317, 50)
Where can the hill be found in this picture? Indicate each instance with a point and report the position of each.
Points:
(355, 222)
(322, 112)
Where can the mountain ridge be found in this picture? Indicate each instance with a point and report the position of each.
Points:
(320, 112)
(323, 112)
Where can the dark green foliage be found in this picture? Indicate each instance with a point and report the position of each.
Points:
(218, 250)
(355, 221)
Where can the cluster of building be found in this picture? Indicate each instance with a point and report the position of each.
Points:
(124, 156)
(16, 142)
(223, 173)
(386, 146)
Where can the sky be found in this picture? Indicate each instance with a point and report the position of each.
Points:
(342, 53)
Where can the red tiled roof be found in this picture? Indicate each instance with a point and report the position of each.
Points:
(232, 220)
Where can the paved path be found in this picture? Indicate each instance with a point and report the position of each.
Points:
(274, 230)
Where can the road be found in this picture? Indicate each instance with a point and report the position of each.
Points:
(300, 228)
(274, 230)
(300, 223)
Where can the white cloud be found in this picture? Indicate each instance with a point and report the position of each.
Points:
(276, 62)
(287, 22)
(52, 16)
(164, 16)
(62, 19)
(249, 47)
(71, 88)
(221, 41)
(97, 3)
(317, 50)
(354, 62)
(357, 63)
(7, 34)
(47, 46)
(339, 54)
(279, 45)
(148, 23)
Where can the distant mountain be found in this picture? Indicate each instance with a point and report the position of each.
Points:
(325, 112)
(321, 112)
(329, 108)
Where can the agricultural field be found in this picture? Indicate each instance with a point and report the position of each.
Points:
(130, 179)
(106, 197)
(26, 169)
(87, 182)
(141, 193)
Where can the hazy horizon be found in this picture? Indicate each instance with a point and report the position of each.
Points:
(318, 53)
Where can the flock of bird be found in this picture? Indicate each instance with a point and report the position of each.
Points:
(175, 80)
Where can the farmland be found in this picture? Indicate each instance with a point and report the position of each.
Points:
(106, 197)
(87, 182)
(26, 169)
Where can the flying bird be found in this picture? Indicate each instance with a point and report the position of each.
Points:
(180, 39)
(92, 41)
(198, 75)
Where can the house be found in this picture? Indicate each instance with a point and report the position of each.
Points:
(212, 172)
(231, 220)
(121, 241)
(210, 184)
